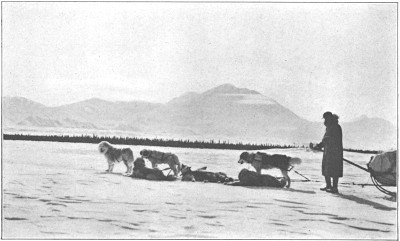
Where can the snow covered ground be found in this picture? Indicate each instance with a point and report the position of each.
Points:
(60, 190)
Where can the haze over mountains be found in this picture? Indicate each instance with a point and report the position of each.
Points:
(224, 112)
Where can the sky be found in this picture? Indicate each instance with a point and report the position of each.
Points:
(310, 57)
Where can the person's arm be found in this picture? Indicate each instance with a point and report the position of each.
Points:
(325, 140)
(327, 137)
(320, 145)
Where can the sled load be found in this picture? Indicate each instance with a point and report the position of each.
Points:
(383, 170)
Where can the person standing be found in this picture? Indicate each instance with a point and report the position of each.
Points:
(332, 160)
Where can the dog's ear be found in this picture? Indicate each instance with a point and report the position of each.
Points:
(201, 169)
(144, 152)
(244, 155)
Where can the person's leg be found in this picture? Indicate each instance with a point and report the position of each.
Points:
(335, 185)
(328, 184)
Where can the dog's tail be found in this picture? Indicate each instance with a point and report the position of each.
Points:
(295, 161)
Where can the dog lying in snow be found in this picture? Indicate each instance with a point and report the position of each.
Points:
(114, 154)
(251, 178)
(200, 175)
(141, 171)
(261, 160)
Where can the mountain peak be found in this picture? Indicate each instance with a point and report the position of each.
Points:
(230, 89)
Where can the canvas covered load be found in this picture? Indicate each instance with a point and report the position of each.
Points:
(383, 168)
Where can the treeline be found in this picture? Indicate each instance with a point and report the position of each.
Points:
(362, 151)
(315, 147)
(157, 142)
(145, 141)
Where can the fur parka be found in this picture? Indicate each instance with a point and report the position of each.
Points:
(332, 161)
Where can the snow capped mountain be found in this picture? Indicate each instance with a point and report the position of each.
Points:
(230, 89)
(226, 112)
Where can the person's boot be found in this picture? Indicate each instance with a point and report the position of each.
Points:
(328, 184)
(333, 190)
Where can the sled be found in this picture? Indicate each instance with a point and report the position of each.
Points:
(382, 168)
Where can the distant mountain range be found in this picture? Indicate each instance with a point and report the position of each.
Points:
(225, 112)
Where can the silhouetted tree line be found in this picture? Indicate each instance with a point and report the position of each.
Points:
(212, 144)
(316, 146)
(362, 151)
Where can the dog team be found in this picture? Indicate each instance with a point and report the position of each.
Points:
(137, 168)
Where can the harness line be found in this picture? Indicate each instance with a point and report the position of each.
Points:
(308, 180)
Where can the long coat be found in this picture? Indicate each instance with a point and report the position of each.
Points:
(332, 161)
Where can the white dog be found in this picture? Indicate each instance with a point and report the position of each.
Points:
(114, 155)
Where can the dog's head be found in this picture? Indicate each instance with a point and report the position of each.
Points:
(145, 153)
(139, 163)
(243, 157)
(188, 178)
(104, 146)
(186, 170)
(187, 175)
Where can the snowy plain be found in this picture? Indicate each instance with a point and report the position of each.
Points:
(60, 190)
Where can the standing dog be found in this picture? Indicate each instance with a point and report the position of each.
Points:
(261, 160)
(157, 157)
(114, 155)
(141, 171)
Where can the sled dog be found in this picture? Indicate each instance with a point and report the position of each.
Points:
(261, 160)
(141, 171)
(114, 154)
(200, 175)
(157, 157)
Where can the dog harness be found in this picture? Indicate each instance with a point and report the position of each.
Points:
(276, 160)
(163, 156)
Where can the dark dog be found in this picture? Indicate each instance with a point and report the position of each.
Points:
(141, 171)
(250, 178)
(261, 160)
(200, 175)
